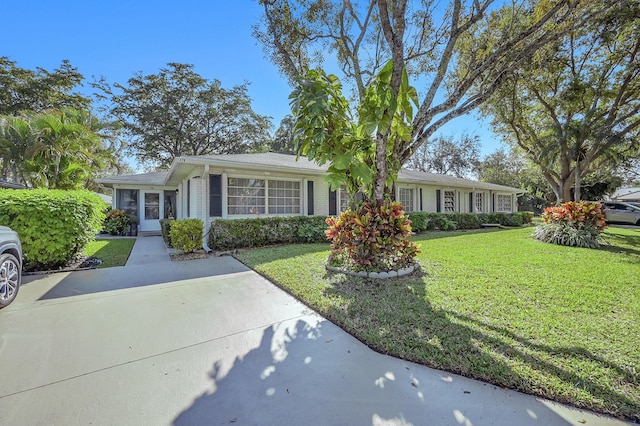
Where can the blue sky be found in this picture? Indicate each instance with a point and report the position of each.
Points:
(115, 39)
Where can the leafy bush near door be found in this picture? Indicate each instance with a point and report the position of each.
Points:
(165, 226)
(116, 222)
(186, 235)
(54, 225)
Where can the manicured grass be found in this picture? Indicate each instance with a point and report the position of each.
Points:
(112, 251)
(495, 305)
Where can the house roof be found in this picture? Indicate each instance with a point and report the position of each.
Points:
(452, 181)
(183, 166)
(154, 178)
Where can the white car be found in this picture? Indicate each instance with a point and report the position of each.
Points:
(10, 265)
(619, 212)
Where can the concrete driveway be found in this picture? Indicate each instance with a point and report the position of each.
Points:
(210, 342)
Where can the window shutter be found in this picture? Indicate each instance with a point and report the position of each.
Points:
(421, 209)
(493, 203)
(438, 201)
(310, 198)
(471, 202)
(215, 195)
(333, 203)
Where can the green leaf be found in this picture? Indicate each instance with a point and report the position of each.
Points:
(343, 161)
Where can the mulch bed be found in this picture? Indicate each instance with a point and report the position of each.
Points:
(200, 254)
(80, 264)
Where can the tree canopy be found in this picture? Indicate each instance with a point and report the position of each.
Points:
(55, 149)
(443, 155)
(426, 41)
(575, 107)
(284, 138)
(177, 112)
(40, 90)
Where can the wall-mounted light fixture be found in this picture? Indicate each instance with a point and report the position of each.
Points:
(177, 190)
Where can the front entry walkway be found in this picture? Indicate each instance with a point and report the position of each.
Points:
(149, 250)
(211, 342)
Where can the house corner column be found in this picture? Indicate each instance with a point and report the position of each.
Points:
(224, 195)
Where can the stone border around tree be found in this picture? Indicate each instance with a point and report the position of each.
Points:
(376, 275)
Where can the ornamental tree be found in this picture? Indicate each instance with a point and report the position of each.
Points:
(425, 41)
(575, 107)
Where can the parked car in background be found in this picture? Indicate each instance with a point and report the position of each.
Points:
(619, 212)
(10, 265)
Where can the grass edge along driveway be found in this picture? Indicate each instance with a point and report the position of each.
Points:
(494, 305)
(112, 251)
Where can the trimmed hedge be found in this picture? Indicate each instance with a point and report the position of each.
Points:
(227, 234)
(423, 221)
(186, 235)
(54, 226)
(165, 226)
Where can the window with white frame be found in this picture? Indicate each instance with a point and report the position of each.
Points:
(449, 201)
(284, 197)
(245, 196)
(249, 196)
(344, 198)
(406, 198)
(503, 202)
(479, 202)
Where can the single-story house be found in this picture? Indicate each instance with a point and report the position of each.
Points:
(626, 195)
(231, 186)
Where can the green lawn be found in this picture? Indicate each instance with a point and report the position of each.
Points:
(112, 251)
(495, 305)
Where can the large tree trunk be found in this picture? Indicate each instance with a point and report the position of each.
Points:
(576, 192)
(382, 172)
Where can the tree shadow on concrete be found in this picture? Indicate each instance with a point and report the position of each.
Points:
(308, 372)
(380, 310)
(301, 373)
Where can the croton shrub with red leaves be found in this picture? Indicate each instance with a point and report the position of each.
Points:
(372, 237)
(580, 214)
(577, 224)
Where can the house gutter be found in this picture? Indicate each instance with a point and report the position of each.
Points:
(204, 210)
(240, 165)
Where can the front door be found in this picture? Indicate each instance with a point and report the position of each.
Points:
(151, 214)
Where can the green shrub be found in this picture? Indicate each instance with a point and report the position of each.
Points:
(165, 226)
(227, 234)
(441, 222)
(311, 229)
(465, 220)
(372, 237)
(527, 217)
(186, 234)
(116, 222)
(418, 221)
(576, 224)
(54, 225)
(564, 234)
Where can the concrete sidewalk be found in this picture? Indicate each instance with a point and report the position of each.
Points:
(148, 250)
(212, 342)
